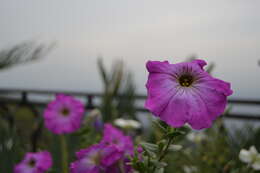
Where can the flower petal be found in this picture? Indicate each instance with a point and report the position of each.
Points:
(161, 88)
(214, 102)
(256, 164)
(199, 62)
(175, 112)
(253, 150)
(111, 155)
(198, 113)
(158, 67)
(245, 156)
(218, 85)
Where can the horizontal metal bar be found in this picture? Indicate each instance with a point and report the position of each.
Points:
(229, 115)
(47, 92)
(244, 101)
(96, 94)
(138, 109)
(242, 116)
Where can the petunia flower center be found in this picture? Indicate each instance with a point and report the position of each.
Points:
(96, 158)
(31, 162)
(115, 141)
(65, 112)
(186, 80)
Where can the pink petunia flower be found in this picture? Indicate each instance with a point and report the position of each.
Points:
(122, 164)
(96, 158)
(34, 163)
(185, 93)
(113, 136)
(109, 156)
(139, 152)
(64, 114)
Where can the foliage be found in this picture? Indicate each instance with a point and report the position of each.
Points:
(23, 53)
(119, 91)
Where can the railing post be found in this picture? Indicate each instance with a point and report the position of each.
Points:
(24, 97)
(89, 103)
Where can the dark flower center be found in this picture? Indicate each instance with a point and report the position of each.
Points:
(65, 111)
(115, 141)
(31, 162)
(96, 158)
(186, 80)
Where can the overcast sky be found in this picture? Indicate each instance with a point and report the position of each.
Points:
(226, 32)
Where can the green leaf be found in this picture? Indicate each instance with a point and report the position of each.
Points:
(157, 124)
(150, 151)
(149, 146)
(102, 71)
(161, 145)
(23, 53)
(159, 164)
(175, 147)
(161, 170)
(175, 134)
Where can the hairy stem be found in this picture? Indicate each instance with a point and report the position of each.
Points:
(121, 166)
(64, 154)
(163, 154)
(164, 151)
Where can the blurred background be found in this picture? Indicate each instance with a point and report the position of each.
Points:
(101, 47)
(225, 32)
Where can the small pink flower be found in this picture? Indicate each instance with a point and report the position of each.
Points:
(122, 164)
(139, 152)
(140, 149)
(95, 159)
(64, 114)
(34, 163)
(113, 136)
(106, 156)
(185, 93)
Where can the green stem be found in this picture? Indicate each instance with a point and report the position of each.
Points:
(64, 151)
(164, 151)
(121, 166)
(249, 168)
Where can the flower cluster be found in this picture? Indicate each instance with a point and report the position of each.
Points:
(34, 163)
(109, 156)
(177, 94)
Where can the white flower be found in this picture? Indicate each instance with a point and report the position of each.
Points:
(251, 157)
(175, 147)
(9, 144)
(94, 113)
(196, 137)
(189, 169)
(123, 123)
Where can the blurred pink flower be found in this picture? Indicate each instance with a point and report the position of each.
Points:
(185, 93)
(140, 149)
(95, 159)
(64, 114)
(139, 152)
(106, 156)
(117, 167)
(113, 136)
(34, 163)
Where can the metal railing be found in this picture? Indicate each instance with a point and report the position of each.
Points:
(22, 97)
